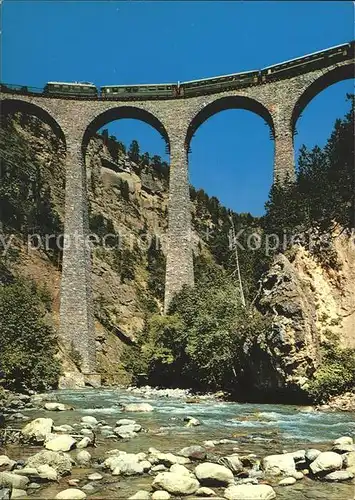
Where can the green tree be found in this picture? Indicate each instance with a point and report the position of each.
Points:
(27, 343)
(133, 151)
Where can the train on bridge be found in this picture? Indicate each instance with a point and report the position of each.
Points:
(235, 81)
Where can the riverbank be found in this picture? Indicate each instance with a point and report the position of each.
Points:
(131, 450)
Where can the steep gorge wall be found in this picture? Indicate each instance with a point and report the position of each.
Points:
(311, 304)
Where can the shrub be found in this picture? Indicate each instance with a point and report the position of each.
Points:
(27, 342)
(335, 375)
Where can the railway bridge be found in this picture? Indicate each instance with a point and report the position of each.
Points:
(279, 102)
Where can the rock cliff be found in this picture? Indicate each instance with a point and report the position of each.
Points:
(311, 304)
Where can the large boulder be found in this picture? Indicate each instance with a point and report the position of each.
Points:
(61, 462)
(142, 407)
(37, 430)
(60, 442)
(279, 464)
(9, 480)
(213, 474)
(71, 494)
(328, 461)
(175, 483)
(250, 492)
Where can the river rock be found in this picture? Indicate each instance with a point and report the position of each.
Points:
(5, 493)
(84, 443)
(279, 464)
(71, 494)
(139, 407)
(213, 474)
(61, 442)
(250, 492)
(55, 407)
(233, 462)
(146, 465)
(88, 433)
(205, 492)
(288, 481)
(192, 421)
(89, 419)
(6, 462)
(194, 452)
(168, 459)
(45, 471)
(161, 495)
(124, 421)
(126, 464)
(339, 475)
(95, 476)
(140, 495)
(298, 475)
(61, 462)
(349, 459)
(327, 461)
(176, 484)
(158, 468)
(37, 430)
(343, 444)
(9, 480)
(129, 469)
(83, 457)
(126, 431)
(180, 469)
(343, 440)
(18, 493)
(26, 471)
(312, 454)
(63, 428)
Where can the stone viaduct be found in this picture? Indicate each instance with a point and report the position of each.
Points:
(278, 102)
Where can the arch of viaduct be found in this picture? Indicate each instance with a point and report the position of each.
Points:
(279, 103)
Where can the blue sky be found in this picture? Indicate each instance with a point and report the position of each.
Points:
(110, 42)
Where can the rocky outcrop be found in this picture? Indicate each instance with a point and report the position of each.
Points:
(310, 304)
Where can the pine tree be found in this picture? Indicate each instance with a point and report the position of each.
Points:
(133, 151)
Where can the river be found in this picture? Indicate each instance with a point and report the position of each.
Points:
(261, 429)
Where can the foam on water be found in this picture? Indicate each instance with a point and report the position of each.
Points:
(289, 422)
